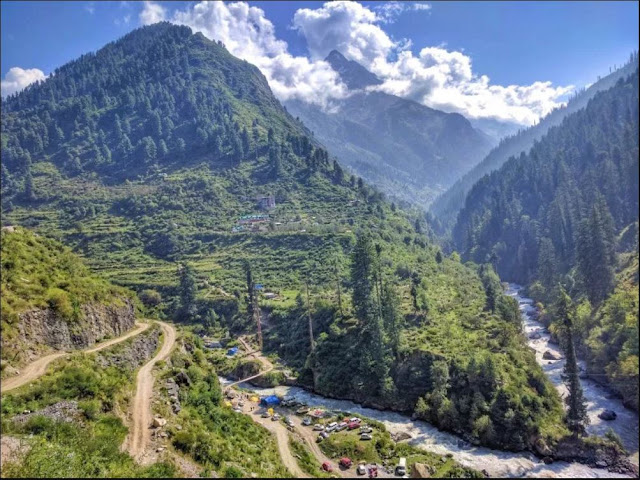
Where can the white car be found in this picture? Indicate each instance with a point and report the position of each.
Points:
(365, 436)
(331, 427)
(275, 417)
(306, 421)
(341, 426)
(361, 470)
(318, 427)
(366, 429)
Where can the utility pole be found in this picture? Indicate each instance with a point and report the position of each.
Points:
(335, 270)
(256, 316)
(309, 316)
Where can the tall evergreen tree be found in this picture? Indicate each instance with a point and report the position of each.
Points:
(187, 291)
(577, 418)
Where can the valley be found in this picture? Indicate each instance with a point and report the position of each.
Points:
(207, 272)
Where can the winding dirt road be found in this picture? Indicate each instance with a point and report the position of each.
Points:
(38, 368)
(139, 434)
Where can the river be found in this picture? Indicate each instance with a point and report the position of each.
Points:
(496, 462)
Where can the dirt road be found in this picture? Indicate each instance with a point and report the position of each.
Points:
(256, 354)
(38, 368)
(139, 433)
(282, 439)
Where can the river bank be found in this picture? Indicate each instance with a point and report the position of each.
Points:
(496, 462)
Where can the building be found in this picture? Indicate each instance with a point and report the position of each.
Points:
(266, 202)
(252, 219)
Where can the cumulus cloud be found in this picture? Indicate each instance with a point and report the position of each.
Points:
(152, 13)
(18, 78)
(248, 34)
(436, 77)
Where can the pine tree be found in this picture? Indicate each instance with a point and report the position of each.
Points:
(363, 278)
(187, 291)
(577, 418)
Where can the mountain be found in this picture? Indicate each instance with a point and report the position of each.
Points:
(447, 205)
(169, 165)
(568, 211)
(409, 151)
(354, 75)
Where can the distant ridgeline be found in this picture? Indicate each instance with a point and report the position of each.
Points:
(408, 150)
(568, 212)
(446, 207)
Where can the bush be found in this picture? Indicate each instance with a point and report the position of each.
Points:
(59, 301)
(150, 298)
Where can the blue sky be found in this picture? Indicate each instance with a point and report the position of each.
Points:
(512, 43)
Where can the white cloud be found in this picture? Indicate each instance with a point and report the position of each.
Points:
(90, 7)
(388, 12)
(152, 13)
(248, 34)
(18, 78)
(436, 77)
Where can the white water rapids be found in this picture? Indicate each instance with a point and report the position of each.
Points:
(496, 462)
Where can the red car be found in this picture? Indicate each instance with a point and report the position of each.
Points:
(346, 462)
(353, 425)
(326, 466)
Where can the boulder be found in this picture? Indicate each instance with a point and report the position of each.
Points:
(183, 379)
(542, 448)
(547, 460)
(535, 336)
(601, 464)
(485, 473)
(398, 437)
(608, 415)
(420, 470)
(159, 422)
(549, 355)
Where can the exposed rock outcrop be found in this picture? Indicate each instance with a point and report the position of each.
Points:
(133, 353)
(549, 355)
(98, 322)
(64, 411)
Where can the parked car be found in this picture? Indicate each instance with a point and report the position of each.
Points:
(331, 427)
(361, 470)
(302, 410)
(265, 415)
(326, 466)
(365, 436)
(288, 421)
(355, 419)
(324, 434)
(366, 429)
(319, 438)
(306, 421)
(353, 425)
(275, 417)
(346, 462)
(318, 427)
(341, 426)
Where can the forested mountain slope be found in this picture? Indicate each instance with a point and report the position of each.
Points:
(555, 213)
(145, 155)
(409, 151)
(447, 205)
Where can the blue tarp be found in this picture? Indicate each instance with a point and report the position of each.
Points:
(270, 401)
(232, 351)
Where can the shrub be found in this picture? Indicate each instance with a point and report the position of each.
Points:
(59, 301)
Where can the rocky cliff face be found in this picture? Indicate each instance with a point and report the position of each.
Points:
(133, 353)
(39, 328)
